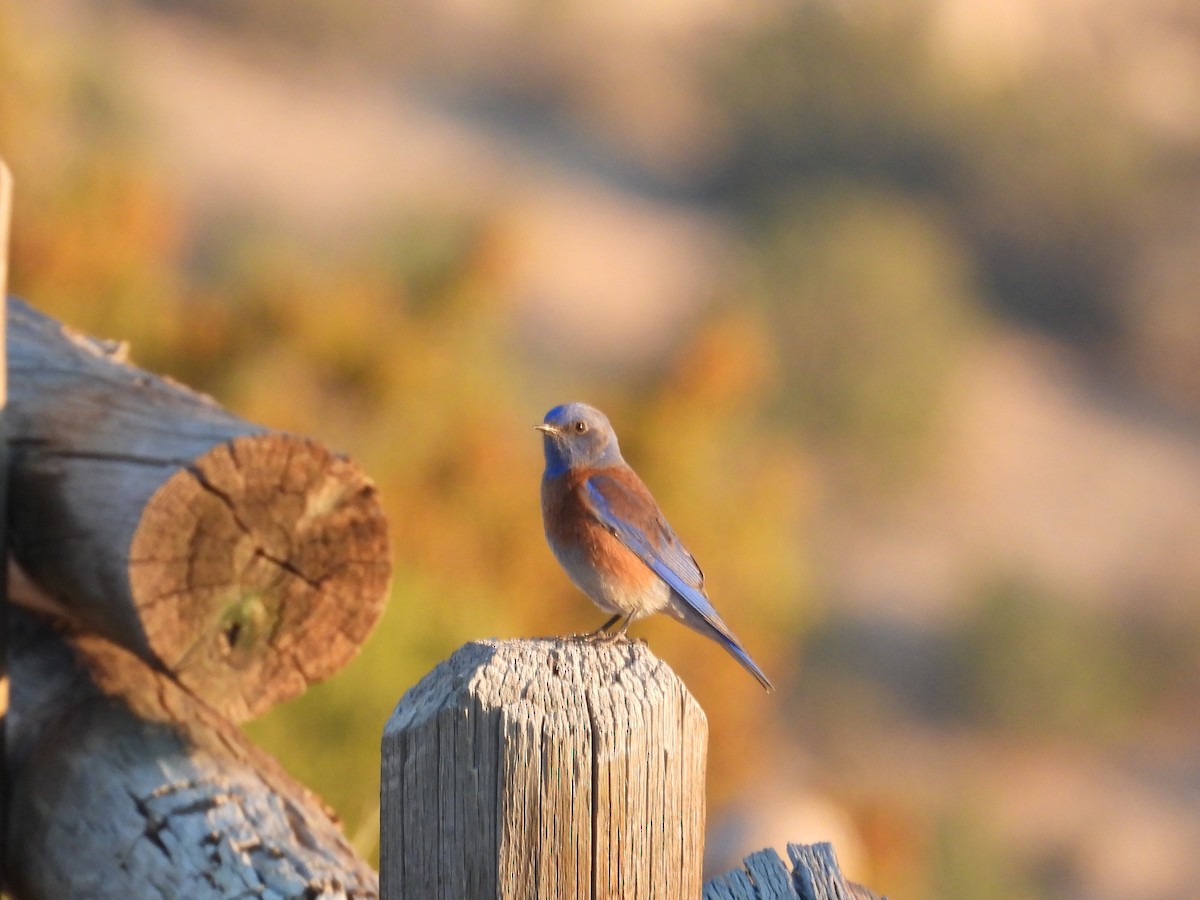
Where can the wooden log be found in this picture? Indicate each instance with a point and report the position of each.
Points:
(125, 787)
(248, 562)
(544, 769)
(814, 874)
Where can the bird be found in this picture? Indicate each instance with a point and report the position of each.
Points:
(608, 533)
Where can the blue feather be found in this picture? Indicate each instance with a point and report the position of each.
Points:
(665, 558)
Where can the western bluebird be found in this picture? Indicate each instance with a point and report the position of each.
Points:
(608, 533)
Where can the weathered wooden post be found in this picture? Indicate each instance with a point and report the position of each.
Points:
(544, 769)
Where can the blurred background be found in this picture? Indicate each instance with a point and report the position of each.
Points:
(893, 302)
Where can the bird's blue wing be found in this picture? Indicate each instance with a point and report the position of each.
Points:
(623, 505)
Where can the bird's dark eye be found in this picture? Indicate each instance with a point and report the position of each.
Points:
(580, 426)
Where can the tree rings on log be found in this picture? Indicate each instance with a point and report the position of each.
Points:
(259, 569)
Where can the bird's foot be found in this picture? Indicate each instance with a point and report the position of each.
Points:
(611, 637)
(599, 636)
(584, 638)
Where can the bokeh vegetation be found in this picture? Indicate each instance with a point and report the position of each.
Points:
(887, 213)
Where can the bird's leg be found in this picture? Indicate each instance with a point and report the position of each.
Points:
(601, 633)
(611, 637)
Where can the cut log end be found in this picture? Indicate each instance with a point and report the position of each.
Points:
(259, 569)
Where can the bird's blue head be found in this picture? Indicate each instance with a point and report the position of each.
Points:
(576, 434)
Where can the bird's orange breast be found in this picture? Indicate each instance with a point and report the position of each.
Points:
(579, 540)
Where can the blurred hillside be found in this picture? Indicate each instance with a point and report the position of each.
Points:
(916, 278)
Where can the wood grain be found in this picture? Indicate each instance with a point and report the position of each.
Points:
(544, 769)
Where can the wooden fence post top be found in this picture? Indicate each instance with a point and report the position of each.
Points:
(543, 674)
(544, 769)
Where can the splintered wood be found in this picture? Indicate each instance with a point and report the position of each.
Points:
(813, 874)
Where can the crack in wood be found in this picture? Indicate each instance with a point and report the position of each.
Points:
(100, 455)
(204, 482)
(591, 713)
(259, 551)
(154, 826)
(291, 568)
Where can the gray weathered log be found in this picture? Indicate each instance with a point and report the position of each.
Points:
(544, 769)
(126, 787)
(813, 875)
(248, 562)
